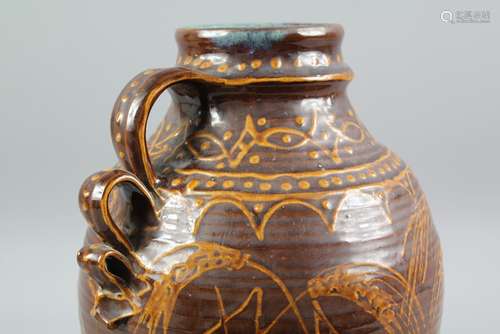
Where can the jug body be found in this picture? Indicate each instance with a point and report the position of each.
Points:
(261, 204)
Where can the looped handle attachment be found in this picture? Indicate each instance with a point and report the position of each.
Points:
(94, 203)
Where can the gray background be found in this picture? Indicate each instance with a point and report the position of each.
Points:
(427, 89)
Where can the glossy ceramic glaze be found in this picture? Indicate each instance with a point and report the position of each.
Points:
(260, 205)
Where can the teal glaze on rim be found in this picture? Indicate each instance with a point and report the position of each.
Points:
(258, 35)
(283, 25)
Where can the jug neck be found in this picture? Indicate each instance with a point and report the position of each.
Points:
(261, 51)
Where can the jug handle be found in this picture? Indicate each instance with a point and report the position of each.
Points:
(94, 203)
(131, 112)
(132, 107)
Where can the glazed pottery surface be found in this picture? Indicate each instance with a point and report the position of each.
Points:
(261, 204)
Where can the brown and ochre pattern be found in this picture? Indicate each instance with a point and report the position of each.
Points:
(261, 204)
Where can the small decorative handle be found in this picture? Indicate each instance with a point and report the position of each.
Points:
(113, 266)
(94, 204)
(117, 288)
(131, 112)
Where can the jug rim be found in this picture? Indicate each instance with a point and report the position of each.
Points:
(262, 26)
(262, 49)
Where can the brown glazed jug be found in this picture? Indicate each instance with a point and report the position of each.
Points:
(261, 204)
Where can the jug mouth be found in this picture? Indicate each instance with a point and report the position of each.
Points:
(289, 27)
(263, 49)
(258, 25)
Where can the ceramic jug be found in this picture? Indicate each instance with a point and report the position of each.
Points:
(261, 204)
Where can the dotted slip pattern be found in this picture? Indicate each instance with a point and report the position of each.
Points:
(388, 167)
(301, 63)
